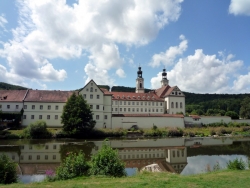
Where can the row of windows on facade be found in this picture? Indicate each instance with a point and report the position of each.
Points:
(40, 117)
(137, 110)
(33, 107)
(177, 153)
(141, 156)
(98, 117)
(176, 105)
(91, 96)
(137, 103)
(46, 147)
(38, 157)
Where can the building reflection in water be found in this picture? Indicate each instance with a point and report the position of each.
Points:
(170, 154)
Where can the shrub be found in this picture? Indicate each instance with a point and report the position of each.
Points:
(107, 162)
(236, 164)
(74, 165)
(175, 132)
(8, 172)
(37, 129)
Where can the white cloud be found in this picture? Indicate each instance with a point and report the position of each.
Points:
(242, 84)
(99, 75)
(167, 58)
(52, 29)
(3, 21)
(120, 73)
(240, 7)
(202, 73)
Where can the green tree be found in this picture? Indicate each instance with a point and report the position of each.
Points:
(77, 115)
(245, 108)
(232, 114)
(8, 173)
(107, 162)
(36, 130)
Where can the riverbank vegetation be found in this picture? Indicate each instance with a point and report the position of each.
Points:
(215, 129)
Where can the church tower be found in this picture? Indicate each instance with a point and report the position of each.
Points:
(139, 82)
(164, 80)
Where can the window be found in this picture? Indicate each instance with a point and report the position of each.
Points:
(38, 157)
(0, 106)
(182, 153)
(116, 109)
(56, 116)
(21, 157)
(8, 106)
(24, 116)
(30, 157)
(180, 104)
(172, 104)
(141, 103)
(32, 117)
(128, 103)
(95, 90)
(173, 153)
(17, 106)
(120, 102)
(30, 147)
(84, 96)
(57, 107)
(161, 103)
(54, 157)
(145, 109)
(145, 103)
(156, 103)
(40, 116)
(106, 117)
(178, 154)
(133, 103)
(156, 110)
(46, 147)
(13, 157)
(49, 107)
(116, 102)
(124, 109)
(128, 109)
(48, 116)
(149, 103)
(46, 157)
(33, 107)
(54, 146)
(91, 84)
(97, 116)
(176, 104)
(91, 89)
(152, 103)
(41, 107)
(91, 96)
(98, 96)
(91, 106)
(124, 102)
(97, 107)
(133, 109)
(141, 109)
(120, 109)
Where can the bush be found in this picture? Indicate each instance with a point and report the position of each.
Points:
(37, 129)
(73, 166)
(175, 132)
(8, 173)
(236, 164)
(107, 162)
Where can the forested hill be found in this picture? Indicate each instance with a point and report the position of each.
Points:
(5, 86)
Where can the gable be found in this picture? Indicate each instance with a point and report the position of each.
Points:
(91, 87)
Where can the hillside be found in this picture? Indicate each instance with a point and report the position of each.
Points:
(5, 86)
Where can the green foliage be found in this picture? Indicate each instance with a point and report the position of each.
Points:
(73, 166)
(236, 164)
(8, 172)
(37, 130)
(11, 116)
(107, 162)
(77, 116)
(175, 132)
(245, 108)
(232, 114)
(6, 86)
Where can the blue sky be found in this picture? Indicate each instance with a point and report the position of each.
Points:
(61, 45)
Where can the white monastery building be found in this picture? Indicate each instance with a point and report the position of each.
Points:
(110, 109)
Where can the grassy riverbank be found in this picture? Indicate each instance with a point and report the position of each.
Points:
(227, 178)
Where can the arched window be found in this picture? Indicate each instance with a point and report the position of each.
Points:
(140, 85)
(172, 104)
(176, 104)
(180, 104)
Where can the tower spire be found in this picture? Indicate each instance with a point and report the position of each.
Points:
(139, 81)
(164, 80)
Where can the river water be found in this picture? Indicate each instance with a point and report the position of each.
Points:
(176, 155)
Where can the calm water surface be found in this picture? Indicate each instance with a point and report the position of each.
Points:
(177, 155)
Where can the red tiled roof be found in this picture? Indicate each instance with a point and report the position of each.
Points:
(161, 92)
(12, 95)
(48, 96)
(135, 96)
(148, 115)
(105, 91)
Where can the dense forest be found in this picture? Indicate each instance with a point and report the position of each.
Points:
(5, 86)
